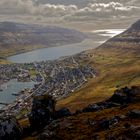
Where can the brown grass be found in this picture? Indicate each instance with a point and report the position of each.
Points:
(115, 68)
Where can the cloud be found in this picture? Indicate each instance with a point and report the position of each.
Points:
(16, 7)
(105, 10)
(28, 7)
(94, 9)
(111, 6)
(57, 10)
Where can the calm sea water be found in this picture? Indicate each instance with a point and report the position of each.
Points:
(12, 87)
(109, 32)
(66, 50)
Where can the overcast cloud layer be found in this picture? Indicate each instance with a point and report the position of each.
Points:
(73, 10)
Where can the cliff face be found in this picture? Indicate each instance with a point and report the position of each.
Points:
(129, 39)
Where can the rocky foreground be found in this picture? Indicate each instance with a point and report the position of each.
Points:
(118, 117)
(115, 118)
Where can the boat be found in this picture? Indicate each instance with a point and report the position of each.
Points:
(15, 94)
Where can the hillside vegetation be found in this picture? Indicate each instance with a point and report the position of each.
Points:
(105, 108)
(118, 64)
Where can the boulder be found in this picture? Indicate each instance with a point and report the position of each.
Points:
(9, 128)
(134, 114)
(137, 135)
(108, 123)
(104, 124)
(91, 122)
(43, 108)
(63, 112)
(50, 131)
(123, 96)
(47, 135)
(91, 108)
(112, 104)
(78, 111)
(127, 125)
(113, 121)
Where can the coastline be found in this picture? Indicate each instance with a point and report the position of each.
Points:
(53, 53)
(4, 60)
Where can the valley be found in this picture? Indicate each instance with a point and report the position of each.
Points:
(17, 38)
(102, 93)
(118, 64)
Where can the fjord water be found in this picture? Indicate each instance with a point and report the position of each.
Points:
(13, 86)
(53, 53)
(109, 32)
(50, 54)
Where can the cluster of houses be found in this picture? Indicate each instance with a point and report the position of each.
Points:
(57, 78)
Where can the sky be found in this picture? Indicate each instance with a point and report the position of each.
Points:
(68, 10)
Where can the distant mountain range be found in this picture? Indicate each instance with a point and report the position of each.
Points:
(17, 37)
(18, 34)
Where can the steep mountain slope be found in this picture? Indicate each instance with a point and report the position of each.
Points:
(115, 118)
(118, 64)
(100, 111)
(17, 37)
(129, 39)
(106, 120)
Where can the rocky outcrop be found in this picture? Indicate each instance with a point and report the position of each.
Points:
(120, 100)
(121, 97)
(134, 114)
(124, 95)
(42, 112)
(9, 128)
(63, 112)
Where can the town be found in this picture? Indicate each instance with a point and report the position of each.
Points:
(58, 78)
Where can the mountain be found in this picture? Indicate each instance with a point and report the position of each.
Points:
(117, 62)
(105, 108)
(129, 39)
(17, 37)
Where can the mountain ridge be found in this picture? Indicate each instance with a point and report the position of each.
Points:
(106, 107)
(117, 63)
(17, 37)
(129, 39)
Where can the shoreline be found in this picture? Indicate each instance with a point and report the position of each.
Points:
(85, 45)
(5, 60)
